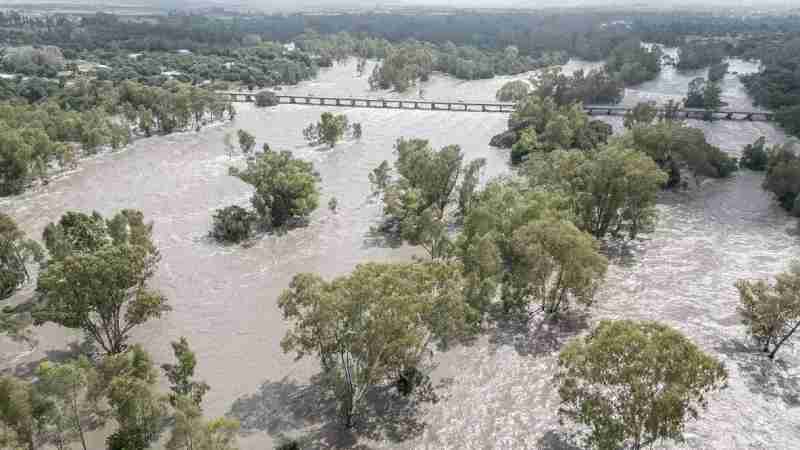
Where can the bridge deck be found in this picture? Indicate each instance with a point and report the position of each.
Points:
(435, 105)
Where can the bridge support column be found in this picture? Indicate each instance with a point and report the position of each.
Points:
(383, 103)
(729, 116)
(338, 102)
(749, 117)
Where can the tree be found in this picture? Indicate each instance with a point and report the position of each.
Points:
(695, 98)
(16, 253)
(633, 383)
(513, 91)
(469, 183)
(643, 113)
(771, 312)
(65, 386)
(553, 264)
(357, 130)
(96, 280)
(754, 156)
(329, 130)
(128, 381)
(485, 247)
(716, 73)
(247, 141)
(232, 224)
(373, 324)
(712, 96)
(783, 176)
(192, 432)
(180, 374)
(285, 187)
(612, 191)
(266, 98)
(23, 413)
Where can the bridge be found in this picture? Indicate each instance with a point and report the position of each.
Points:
(435, 105)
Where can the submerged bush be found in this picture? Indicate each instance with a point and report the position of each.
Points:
(233, 224)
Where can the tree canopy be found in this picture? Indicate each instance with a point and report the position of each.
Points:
(285, 187)
(771, 312)
(16, 252)
(371, 325)
(634, 383)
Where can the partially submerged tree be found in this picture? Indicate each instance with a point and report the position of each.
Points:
(644, 113)
(553, 265)
(329, 130)
(266, 98)
(371, 325)
(612, 190)
(771, 312)
(285, 187)
(416, 202)
(634, 383)
(754, 156)
(247, 142)
(233, 224)
(192, 432)
(16, 253)
(783, 176)
(513, 91)
(96, 280)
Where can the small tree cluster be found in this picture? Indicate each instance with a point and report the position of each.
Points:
(331, 129)
(266, 98)
(513, 91)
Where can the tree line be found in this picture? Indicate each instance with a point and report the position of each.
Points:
(38, 139)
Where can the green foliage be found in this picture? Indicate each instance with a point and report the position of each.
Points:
(631, 63)
(595, 87)
(73, 411)
(485, 246)
(611, 191)
(673, 145)
(416, 203)
(128, 381)
(23, 414)
(543, 127)
(783, 176)
(644, 113)
(634, 383)
(716, 73)
(266, 98)
(697, 54)
(329, 130)
(247, 142)
(755, 156)
(513, 91)
(771, 313)
(285, 187)
(180, 374)
(191, 432)
(401, 68)
(553, 264)
(233, 224)
(357, 130)
(96, 279)
(367, 327)
(16, 253)
(704, 94)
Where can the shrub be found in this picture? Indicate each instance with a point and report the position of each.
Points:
(232, 224)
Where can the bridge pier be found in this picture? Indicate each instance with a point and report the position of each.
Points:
(729, 116)
(749, 117)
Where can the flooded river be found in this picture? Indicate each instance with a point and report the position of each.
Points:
(496, 393)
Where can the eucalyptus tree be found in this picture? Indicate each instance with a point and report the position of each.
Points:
(771, 312)
(16, 253)
(634, 383)
(96, 278)
(374, 324)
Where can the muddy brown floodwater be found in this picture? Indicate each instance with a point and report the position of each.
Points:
(496, 393)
